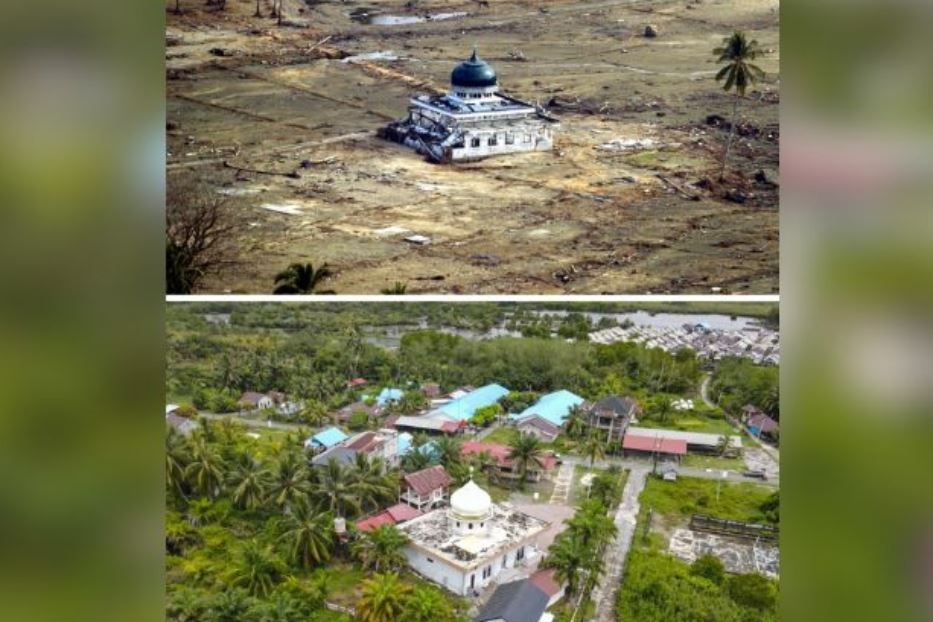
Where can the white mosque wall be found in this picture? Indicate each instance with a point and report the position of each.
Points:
(436, 570)
(539, 139)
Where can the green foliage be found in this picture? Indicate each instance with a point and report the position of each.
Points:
(738, 381)
(486, 415)
(358, 420)
(517, 401)
(577, 553)
(383, 598)
(710, 568)
(659, 588)
(752, 590)
(381, 549)
(688, 495)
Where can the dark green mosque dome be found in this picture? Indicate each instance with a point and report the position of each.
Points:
(473, 72)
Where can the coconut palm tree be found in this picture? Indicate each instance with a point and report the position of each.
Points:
(381, 548)
(448, 450)
(739, 73)
(291, 481)
(415, 460)
(177, 457)
(310, 535)
(593, 448)
(248, 482)
(333, 490)
(525, 451)
(575, 425)
(301, 278)
(205, 472)
(370, 484)
(427, 604)
(228, 606)
(383, 599)
(567, 558)
(200, 512)
(256, 568)
(283, 607)
(591, 527)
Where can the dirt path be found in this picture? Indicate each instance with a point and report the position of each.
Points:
(605, 593)
(562, 484)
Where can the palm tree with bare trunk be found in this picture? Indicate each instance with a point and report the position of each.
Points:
(739, 73)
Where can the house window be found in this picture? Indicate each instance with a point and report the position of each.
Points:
(474, 142)
(492, 141)
(471, 526)
(472, 581)
(458, 523)
(487, 572)
(520, 554)
(505, 560)
(509, 138)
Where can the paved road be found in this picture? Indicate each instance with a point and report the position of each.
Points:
(626, 515)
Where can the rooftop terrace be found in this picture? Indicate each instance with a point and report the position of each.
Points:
(509, 528)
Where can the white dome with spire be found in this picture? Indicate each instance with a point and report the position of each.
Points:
(470, 502)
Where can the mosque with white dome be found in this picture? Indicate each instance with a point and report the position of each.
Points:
(473, 543)
(473, 120)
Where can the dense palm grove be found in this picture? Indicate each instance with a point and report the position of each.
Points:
(252, 515)
(250, 532)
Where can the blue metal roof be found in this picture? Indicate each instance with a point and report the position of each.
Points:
(463, 408)
(329, 437)
(388, 395)
(554, 407)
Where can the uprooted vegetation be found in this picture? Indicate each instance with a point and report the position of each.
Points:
(629, 201)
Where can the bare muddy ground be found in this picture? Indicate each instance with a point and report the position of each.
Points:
(613, 209)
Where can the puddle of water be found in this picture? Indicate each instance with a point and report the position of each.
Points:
(292, 209)
(374, 16)
(383, 55)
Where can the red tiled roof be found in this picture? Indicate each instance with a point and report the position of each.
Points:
(545, 581)
(427, 480)
(402, 512)
(371, 523)
(450, 426)
(656, 444)
(501, 454)
(364, 442)
(357, 382)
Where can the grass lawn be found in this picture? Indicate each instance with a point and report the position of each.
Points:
(502, 435)
(690, 495)
(692, 423)
(697, 461)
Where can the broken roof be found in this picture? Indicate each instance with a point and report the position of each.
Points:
(501, 454)
(506, 528)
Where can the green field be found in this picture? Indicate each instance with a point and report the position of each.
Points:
(690, 495)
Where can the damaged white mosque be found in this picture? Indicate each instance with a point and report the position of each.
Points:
(473, 121)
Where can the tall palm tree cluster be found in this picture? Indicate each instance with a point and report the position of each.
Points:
(577, 553)
(269, 516)
(387, 598)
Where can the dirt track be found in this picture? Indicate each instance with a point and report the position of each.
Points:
(580, 219)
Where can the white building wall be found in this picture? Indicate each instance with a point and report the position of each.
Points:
(456, 580)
